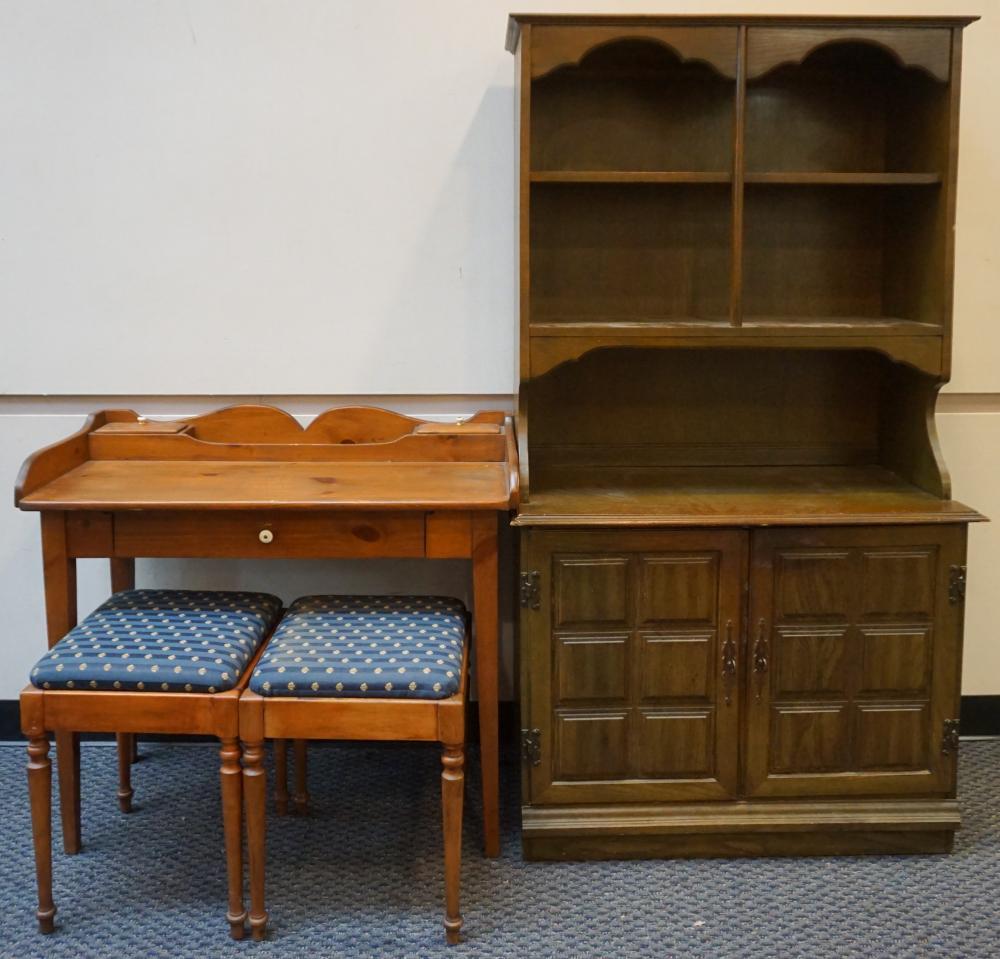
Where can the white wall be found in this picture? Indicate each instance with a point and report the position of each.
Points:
(310, 202)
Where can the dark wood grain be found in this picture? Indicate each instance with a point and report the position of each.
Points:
(736, 313)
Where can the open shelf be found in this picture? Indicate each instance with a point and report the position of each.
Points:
(757, 326)
(647, 250)
(630, 176)
(848, 107)
(632, 105)
(639, 425)
(820, 178)
(838, 254)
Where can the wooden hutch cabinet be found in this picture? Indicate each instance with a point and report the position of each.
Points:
(742, 572)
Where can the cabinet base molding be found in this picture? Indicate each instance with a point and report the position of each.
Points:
(739, 829)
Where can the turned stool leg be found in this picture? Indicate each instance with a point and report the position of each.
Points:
(281, 776)
(452, 794)
(40, 793)
(68, 762)
(301, 773)
(255, 798)
(124, 771)
(232, 823)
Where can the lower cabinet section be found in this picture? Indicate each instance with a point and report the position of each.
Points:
(740, 691)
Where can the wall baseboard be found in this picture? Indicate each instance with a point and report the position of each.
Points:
(10, 728)
(980, 716)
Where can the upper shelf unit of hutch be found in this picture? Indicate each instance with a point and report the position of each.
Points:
(735, 178)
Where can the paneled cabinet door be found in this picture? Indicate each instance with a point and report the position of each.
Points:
(853, 662)
(631, 664)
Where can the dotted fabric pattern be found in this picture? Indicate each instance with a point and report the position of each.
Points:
(405, 647)
(161, 640)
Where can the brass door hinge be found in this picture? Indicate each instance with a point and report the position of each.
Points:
(531, 746)
(956, 585)
(530, 594)
(949, 738)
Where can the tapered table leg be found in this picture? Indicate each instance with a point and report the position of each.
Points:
(68, 762)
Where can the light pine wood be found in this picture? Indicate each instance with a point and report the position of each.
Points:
(122, 578)
(452, 794)
(134, 484)
(282, 718)
(67, 711)
(40, 789)
(251, 482)
(255, 798)
(231, 782)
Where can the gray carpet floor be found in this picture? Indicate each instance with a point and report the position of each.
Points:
(363, 877)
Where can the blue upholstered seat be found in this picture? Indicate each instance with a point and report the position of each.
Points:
(405, 647)
(161, 640)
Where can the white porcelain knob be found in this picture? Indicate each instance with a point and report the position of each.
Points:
(265, 536)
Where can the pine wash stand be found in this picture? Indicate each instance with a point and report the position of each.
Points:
(250, 482)
(742, 572)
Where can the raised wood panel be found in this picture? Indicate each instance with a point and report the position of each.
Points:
(591, 667)
(810, 739)
(810, 662)
(899, 584)
(813, 585)
(895, 660)
(591, 589)
(678, 589)
(891, 737)
(591, 745)
(675, 666)
(641, 710)
(675, 743)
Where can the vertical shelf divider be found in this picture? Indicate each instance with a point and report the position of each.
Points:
(739, 127)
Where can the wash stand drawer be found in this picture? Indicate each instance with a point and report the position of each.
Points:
(259, 534)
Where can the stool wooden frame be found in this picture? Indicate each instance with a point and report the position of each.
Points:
(413, 720)
(125, 713)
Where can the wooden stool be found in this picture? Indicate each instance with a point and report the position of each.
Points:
(360, 667)
(151, 661)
